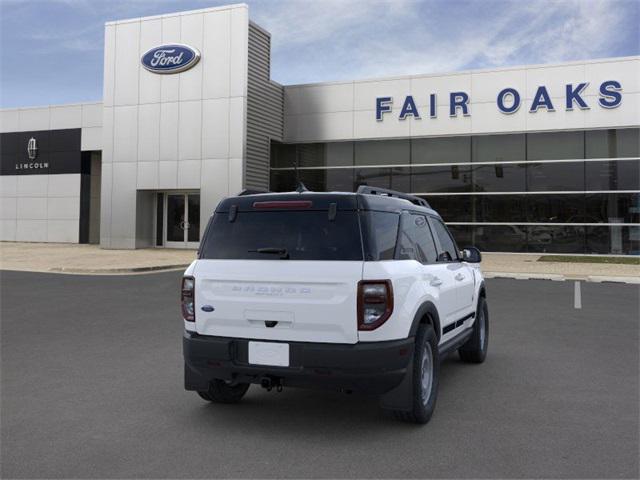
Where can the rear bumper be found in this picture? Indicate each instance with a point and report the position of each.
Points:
(372, 367)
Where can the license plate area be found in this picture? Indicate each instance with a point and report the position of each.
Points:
(269, 353)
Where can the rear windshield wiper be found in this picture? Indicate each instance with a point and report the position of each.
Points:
(284, 254)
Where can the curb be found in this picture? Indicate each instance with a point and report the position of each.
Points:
(561, 278)
(154, 268)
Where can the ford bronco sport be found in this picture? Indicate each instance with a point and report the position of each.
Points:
(362, 291)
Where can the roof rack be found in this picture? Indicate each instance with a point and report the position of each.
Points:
(393, 193)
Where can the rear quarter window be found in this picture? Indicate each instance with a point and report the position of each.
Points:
(381, 234)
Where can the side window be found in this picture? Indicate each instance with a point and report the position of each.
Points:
(415, 241)
(447, 244)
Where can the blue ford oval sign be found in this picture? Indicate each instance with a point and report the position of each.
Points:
(173, 58)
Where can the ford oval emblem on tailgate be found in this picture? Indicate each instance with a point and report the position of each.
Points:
(207, 308)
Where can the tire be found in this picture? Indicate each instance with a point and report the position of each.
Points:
(426, 372)
(222, 392)
(475, 349)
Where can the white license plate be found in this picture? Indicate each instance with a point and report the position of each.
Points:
(269, 353)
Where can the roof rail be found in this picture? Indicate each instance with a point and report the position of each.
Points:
(252, 192)
(393, 193)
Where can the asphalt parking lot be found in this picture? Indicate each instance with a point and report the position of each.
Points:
(92, 388)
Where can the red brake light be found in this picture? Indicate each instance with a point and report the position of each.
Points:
(283, 204)
(187, 299)
(375, 303)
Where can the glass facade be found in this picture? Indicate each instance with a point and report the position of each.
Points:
(560, 192)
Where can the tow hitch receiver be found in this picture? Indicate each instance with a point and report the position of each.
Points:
(268, 383)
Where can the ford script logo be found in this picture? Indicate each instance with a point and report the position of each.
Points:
(172, 58)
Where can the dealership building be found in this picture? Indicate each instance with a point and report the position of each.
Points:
(542, 158)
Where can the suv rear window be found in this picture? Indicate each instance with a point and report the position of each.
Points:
(303, 235)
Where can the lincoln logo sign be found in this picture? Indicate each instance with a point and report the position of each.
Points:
(508, 100)
(172, 58)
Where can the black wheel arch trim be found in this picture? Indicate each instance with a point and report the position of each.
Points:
(430, 310)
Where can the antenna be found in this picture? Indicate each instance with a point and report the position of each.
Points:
(301, 188)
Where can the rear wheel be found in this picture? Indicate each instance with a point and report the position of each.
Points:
(426, 368)
(223, 392)
(475, 349)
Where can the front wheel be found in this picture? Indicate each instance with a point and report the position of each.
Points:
(223, 392)
(475, 349)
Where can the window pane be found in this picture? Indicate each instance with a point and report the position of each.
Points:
(556, 239)
(543, 177)
(613, 208)
(446, 241)
(397, 178)
(382, 234)
(500, 208)
(310, 154)
(339, 180)
(555, 208)
(306, 235)
(499, 178)
(615, 240)
(282, 155)
(463, 234)
(613, 143)
(438, 179)
(499, 148)
(500, 238)
(441, 150)
(555, 145)
(452, 208)
(282, 181)
(415, 240)
(338, 154)
(613, 175)
(382, 152)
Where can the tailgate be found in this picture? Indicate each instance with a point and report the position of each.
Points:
(299, 301)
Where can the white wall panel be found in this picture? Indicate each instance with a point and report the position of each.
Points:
(31, 230)
(169, 131)
(239, 52)
(147, 176)
(365, 93)
(216, 58)
(485, 86)
(168, 175)
(125, 134)
(8, 208)
(64, 185)
(192, 35)
(63, 208)
(32, 208)
(189, 174)
(34, 119)
(150, 36)
(190, 130)
(627, 114)
(109, 68)
(9, 120)
(91, 138)
(170, 84)
(63, 231)
(554, 78)
(626, 72)
(215, 186)
(107, 135)
(32, 185)
(235, 175)
(91, 115)
(215, 128)
(8, 185)
(8, 230)
(123, 201)
(320, 99)
(149, 132)
(127, 63)
(65, 116)
(237, 126)
(422, 86)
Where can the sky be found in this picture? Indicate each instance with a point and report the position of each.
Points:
(51, 51)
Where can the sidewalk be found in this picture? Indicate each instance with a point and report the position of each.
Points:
(72, 258)
(91, 259)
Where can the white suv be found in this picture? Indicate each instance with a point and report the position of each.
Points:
(361, 291)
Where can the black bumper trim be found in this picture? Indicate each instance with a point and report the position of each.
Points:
(368, 367)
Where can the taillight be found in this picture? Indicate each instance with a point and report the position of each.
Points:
(187, 299)
(375, 303)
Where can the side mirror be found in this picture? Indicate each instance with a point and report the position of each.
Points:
(471, 255)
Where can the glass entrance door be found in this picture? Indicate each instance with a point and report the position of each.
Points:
(182, 220)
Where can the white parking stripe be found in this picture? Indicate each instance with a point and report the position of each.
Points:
(577, 296)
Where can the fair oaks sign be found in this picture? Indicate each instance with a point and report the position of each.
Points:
(173, 58)
(508, 101)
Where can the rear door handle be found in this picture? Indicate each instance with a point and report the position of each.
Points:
(459, 277)
(435, 282)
